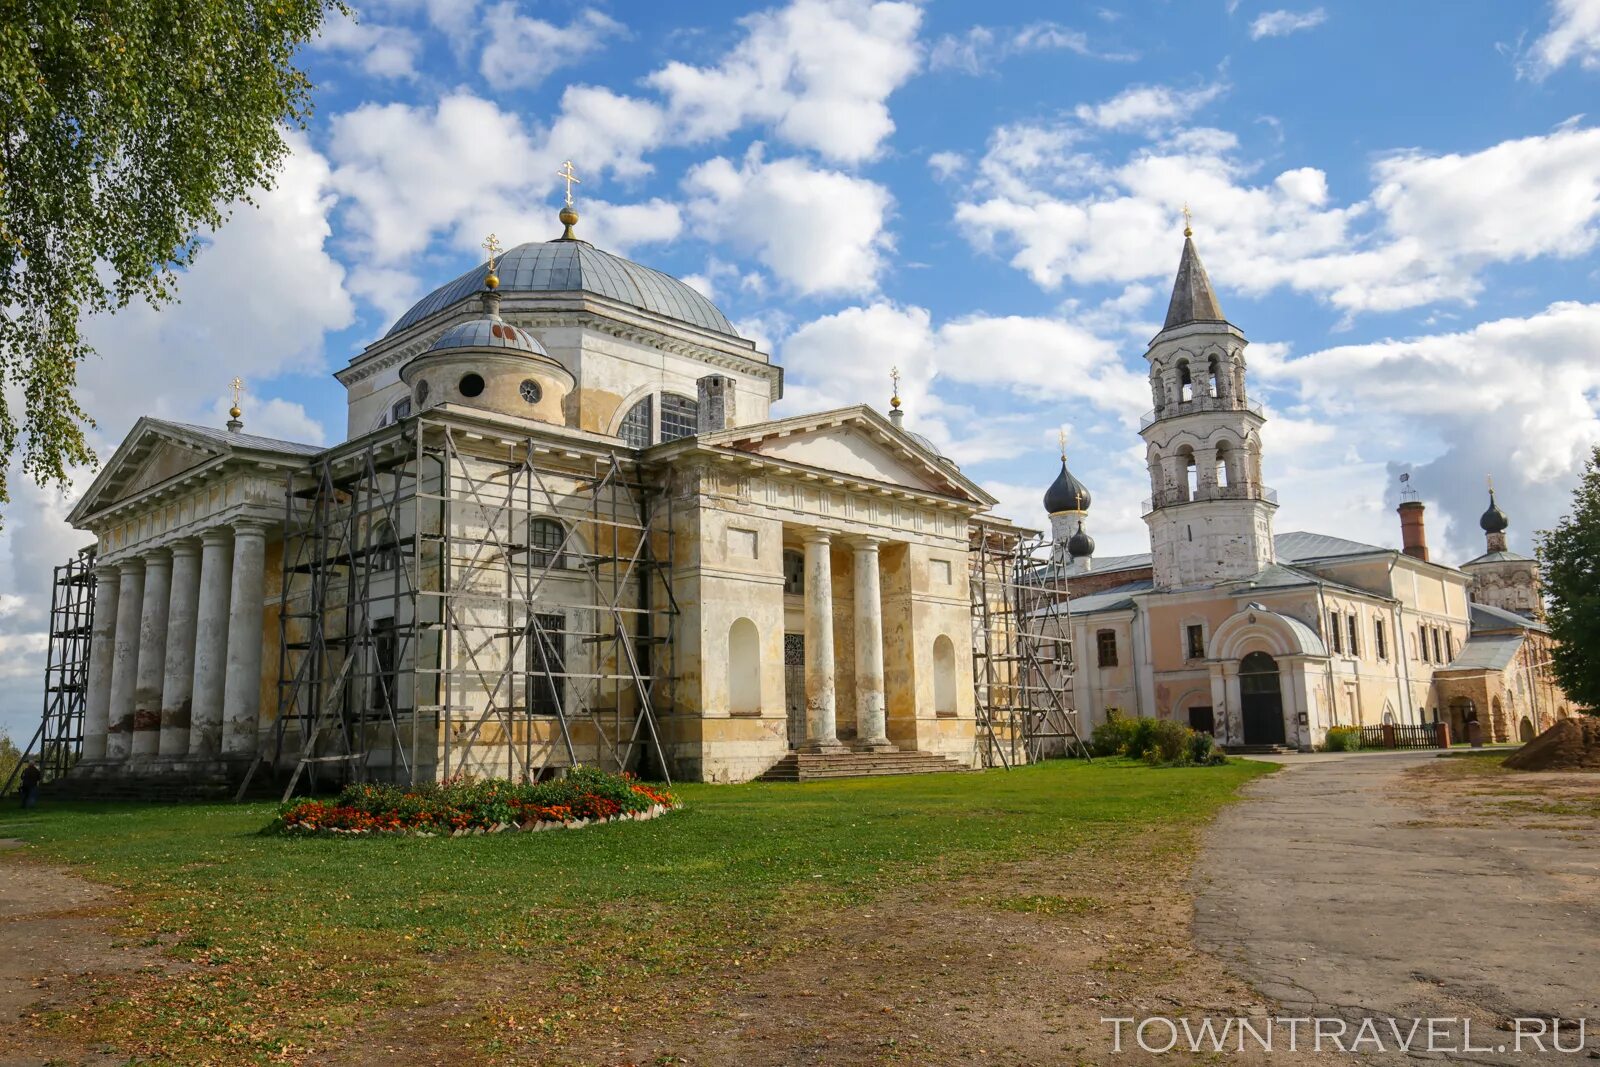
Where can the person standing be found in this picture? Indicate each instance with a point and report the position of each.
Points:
(31, 777)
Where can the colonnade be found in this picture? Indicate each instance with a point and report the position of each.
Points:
(822, 732)
(175, 653)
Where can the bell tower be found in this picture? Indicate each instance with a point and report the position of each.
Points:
(1210, 517)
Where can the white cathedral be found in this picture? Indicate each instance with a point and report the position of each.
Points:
(1265, 639)
(562, 528)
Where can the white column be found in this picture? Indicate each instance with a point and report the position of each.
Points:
(211, 644)
(177, 686)
(152, 653)
(870, 716)
(822, 729)
(102, 655)
(125, 659)
(241, 692)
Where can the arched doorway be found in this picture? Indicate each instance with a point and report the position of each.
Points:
(1261, 700)
(1463, 713)
(1525, 729)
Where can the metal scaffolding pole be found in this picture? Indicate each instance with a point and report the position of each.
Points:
(58, 742)
(1022, 661)
(464, 600)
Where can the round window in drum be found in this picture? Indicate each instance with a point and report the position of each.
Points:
(471, 385)
(530, 391)
(422, 392)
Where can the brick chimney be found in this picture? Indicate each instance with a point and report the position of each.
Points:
(1413, 538)
(716, 403)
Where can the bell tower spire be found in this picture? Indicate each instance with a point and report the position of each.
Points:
(1210, 517)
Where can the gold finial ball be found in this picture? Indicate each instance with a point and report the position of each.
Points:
(235, 412)
(491, 281)
(568, 216)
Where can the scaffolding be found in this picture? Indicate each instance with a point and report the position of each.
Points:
(459, 599)
(58, 742)
(1022, 660)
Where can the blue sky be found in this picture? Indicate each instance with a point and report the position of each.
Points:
(1398, 203)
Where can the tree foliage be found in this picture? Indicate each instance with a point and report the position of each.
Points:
(1570, 559)
(128, 126)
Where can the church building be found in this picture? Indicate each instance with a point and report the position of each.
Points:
(1268, 639)
(562, 528)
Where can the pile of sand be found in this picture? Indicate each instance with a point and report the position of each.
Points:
(1570, 745)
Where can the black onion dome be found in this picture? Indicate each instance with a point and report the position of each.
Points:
(1494, 520)
(1080, 544)
(1066, 493)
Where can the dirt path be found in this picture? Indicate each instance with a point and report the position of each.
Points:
(1402, 886)
(54, 931)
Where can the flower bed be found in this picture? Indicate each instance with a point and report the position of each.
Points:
(463, 806)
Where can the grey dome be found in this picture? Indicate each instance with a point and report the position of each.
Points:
(577, 266)
(1080, 544)
(1066, 493)
(488, 333)
(1494, 520)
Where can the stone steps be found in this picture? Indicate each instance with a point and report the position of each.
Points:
(209, 781)
(817, 766)
(1259, 750)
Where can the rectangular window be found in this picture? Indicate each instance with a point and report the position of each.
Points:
(382, 692)
(1422, 644)
(680, 417)
(1335, 633)
(1450, 643)
(1355, 640)
(1197, 642)
(794, 572)
(1438, 647)
(1379, 642)
(546, 655)
(1106, 643)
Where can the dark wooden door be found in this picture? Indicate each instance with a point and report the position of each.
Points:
(794, 686)
(1261, 700)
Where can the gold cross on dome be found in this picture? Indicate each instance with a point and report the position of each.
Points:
(1061, 436)
(493, 246)
(1187, 218)
(566, 174)
(237, 385)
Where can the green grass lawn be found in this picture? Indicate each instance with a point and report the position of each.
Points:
(288, 940)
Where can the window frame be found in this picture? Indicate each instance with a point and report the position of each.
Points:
(1191, 631)
(1104, 639)
(1353, 633)
(645, 405)
(1334, 629)
(541, 553)
(681, 410)
(1380, 641)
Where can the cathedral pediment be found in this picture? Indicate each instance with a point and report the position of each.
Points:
(853, 443)
(157, 452)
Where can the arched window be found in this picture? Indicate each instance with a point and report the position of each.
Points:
(680, 417)
(944, 675)
(1224, 464)
(1190, 484)
(635, 428)
(1213, 378)
(545, 538)
(385, 548)
(1185, 382)
(744, 667)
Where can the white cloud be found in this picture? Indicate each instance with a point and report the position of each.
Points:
(383, 51)
(981, 47)
(1283, 23)
(522, 52)
(818, 72)
(1515, 397)
(1147, 107)
(1429, 227)
(819, 231)
(1573, 35)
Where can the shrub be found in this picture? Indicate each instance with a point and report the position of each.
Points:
(469, 804)
(1171, 744)
(1111, 737)
(1203, 750)
(1141, 737)
(1342, 739)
